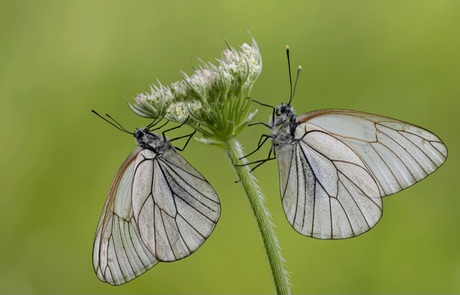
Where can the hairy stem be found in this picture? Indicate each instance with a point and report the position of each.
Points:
(262, 215)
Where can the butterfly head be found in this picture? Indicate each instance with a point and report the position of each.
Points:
(284, 115)
(149, 140)
(283, 124)
(284, 112)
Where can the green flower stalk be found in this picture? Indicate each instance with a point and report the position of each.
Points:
(215, 100)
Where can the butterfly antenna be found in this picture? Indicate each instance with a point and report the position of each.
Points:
(291, 94)
(299, 69)
(114, 123)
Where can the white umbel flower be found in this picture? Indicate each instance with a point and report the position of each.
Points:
(214, 99)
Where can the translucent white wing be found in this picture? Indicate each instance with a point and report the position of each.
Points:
(175, 206)
(119, 254)
(332, 179)
(327, 194)
(397, 153)
(159, 208)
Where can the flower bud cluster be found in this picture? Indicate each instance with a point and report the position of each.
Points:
(214, 99)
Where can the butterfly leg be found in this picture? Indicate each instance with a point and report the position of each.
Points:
(186, 143)
(263, 138)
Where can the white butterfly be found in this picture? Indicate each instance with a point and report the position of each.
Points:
(159, 208)
(336, 165)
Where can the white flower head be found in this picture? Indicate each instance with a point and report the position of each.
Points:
(180, 111)
(214, 99)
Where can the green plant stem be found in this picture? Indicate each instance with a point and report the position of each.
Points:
(262, 215)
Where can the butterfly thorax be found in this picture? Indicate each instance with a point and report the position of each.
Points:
(283, 125)
(148, 140)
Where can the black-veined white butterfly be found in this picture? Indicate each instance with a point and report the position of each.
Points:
(159, 209)
(335, 166)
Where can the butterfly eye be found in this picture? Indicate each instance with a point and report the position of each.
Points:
(282, 109)
(138, 134)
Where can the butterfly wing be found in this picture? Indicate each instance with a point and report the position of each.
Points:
(398, 154)
(119, 254)
(332, 179)
(159, 208)
(327, 194)
(175, 206)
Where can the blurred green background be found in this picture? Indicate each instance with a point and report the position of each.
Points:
(60, 59)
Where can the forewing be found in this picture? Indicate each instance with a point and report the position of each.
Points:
(175, 207)
(119, 254)
(398, 154)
